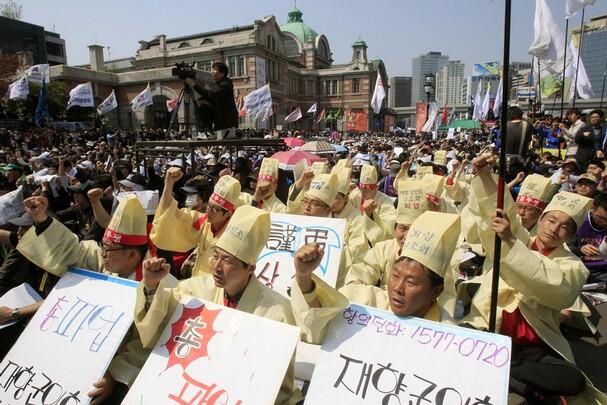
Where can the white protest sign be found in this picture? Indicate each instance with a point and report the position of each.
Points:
(69, 342)
(211, 354)
(18, 297)
(288, 233)
(147, 198)
(374, 357)
(38, 73)
(451, 133)
(11, 205)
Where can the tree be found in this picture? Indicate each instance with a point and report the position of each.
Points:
(9, 64)
(11, 9)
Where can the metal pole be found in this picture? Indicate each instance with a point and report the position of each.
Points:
(502, 165)
(533, 81)
(539, 93)
(579, 51)
(603, 89)
(564, 67)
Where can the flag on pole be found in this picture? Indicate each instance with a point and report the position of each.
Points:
(242, 111)
(432, 113)
(42, 107)
(572, 7)
(497, 104)
(379, 93)
(312, 109)
(19, 89)
(171, 104)
(258, 103)
(39, 73)
(548, 39)
(81, 95)
(584, 87)
(486, 102)
(108, 104)
(477, 113)
(321, 116)
(444, 117)
(452, 115)
(293, 116)
(142, 99)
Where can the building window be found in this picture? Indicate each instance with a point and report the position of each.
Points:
(236, 65)
(271, 43)
(356, 86)
(331, 87)
(293, 86)
(310, 88)
(204, 65)
(271, 70)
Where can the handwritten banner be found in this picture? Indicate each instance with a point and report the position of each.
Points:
(211, 354)
(69, 342)
(374, 357)
(275, 266)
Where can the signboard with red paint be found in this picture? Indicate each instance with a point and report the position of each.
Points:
(211, 354)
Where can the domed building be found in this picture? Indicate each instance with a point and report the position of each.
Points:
(293, 58)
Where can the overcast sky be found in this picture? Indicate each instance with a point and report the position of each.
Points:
(394, 30)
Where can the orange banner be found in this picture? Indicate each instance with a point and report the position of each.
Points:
(421, 115)
(356, 120)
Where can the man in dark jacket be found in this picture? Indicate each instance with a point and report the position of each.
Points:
(218, 102)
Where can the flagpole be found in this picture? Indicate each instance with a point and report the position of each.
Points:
(539, 94)
(603, 88)
(532, 80)
(579, 52)
(564, 67)
(497, 252)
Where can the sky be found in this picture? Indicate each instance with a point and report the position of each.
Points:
(395, 30)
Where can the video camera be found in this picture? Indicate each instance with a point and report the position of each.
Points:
(183, 71)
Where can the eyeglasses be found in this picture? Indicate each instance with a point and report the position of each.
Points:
(314, 204)
(216, 209)
(105, 249)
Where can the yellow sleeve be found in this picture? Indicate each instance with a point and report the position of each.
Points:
(174, 229)
(313, 322)
(57, 249)
(457, 191)
(295, 207)
(385, 217)
(152, 322)
(369, 267)
(368, 295)
(554, 283)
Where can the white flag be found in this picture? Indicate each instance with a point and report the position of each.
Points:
(486, 102)
(37, 73)
(258, 103)
(294, 116)
(572, 7)
(142, 99)
(379, 93)
(477, 113)
(108, 104)
(81, 95)
(432, 114)
(11, 205)
(584, 87)
(19, 89)
(497, 104)
(312, 110)
(171, 104)
(548, 39)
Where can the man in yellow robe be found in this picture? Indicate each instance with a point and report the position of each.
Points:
(267, 184)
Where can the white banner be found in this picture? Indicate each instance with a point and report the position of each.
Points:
(108, 104)
(11, 205)
(19, 89)
(432, 114)
(293, 116)
(374, 357)
(70, 341)
(37, 73)
(275, 267)
(211, 354)
(148, 199)
(81, 95)
(260, 72)
(258, 103)
(142, 99)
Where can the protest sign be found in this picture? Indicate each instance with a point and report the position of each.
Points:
(211, 354)
(440, 157)
(374, 357)
(69, 342)
(18, 297)
(11, 205)
(147, 198)
(288, 233)
(422, 171)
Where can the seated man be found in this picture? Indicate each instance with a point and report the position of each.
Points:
(535, 193)
(232, 283)
(539, 278)
(265, 192)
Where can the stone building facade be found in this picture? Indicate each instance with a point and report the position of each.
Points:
(292, 58)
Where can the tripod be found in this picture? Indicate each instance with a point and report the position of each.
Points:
(186, 91)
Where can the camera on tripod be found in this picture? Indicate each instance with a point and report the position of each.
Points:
(183, 71)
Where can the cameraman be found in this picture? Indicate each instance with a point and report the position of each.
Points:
(520, 133)
(218, 102)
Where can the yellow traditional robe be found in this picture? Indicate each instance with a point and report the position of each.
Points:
(385, 214)
(272, 204)
(375, 265)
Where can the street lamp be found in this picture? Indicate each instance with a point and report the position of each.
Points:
(429, 86)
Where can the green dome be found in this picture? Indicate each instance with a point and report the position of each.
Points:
(359, 42)
(297, 27)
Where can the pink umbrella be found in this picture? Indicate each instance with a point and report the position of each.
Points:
(288, 159)
(292, 142)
